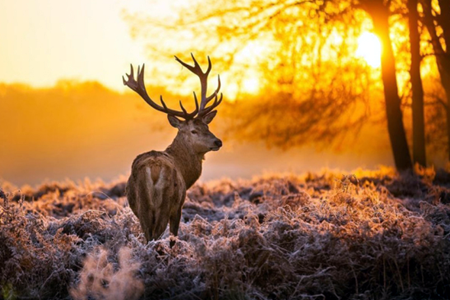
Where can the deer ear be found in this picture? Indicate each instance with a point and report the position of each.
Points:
(209, 117)
(174, 121)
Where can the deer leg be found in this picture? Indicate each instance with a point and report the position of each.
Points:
(144, 207)
(160, 224)
(160, 202)
(175, 219)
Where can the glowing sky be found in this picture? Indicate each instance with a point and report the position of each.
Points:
(46, 40)
(369, 48)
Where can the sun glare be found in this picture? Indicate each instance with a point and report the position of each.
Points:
(369, 48)
(251, 85)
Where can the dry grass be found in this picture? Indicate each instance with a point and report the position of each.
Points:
(370, 235)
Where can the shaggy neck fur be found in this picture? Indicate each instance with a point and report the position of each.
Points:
(189, 162)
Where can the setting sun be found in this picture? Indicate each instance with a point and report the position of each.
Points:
(251, 85)
(369, 48)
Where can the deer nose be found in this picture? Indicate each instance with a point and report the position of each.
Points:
(218, 143)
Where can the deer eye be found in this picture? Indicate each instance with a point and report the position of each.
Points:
(194, 132)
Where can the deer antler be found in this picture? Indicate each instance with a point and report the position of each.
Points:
(139, 87)
(203, 76)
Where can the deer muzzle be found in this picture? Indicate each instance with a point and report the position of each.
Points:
(217, 145)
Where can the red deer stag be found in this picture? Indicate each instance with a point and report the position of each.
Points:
(157, 186)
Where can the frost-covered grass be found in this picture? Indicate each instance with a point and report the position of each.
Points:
(367, 235)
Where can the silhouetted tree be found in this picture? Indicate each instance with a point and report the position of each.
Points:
(437, 20)
(379, 11)
(418, 120)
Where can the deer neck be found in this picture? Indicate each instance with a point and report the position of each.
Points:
(188, 162)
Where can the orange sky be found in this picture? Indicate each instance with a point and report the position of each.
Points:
(43, 41)
(48, 40)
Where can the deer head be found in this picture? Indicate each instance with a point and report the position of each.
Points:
(192, 126)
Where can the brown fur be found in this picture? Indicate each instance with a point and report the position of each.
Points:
(157, 186)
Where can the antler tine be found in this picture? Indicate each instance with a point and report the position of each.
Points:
(130, 78)
(128, 75)
(203, 76)
(182, 108)
(211, 107)
(209, 66)
(194, 69)
(162, 102)
(196, 101)
(215, 92)
(139, 87)
(196, 65)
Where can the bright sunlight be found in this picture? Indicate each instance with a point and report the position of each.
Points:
(251, 85)
(369, 48)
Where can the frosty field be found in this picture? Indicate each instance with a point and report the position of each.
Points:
(366, 235)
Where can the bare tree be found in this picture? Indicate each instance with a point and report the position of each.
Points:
(436, 20)
(379, 11)
(418, 119)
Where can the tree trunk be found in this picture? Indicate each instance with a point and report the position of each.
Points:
(380, 14)
(418, 121)
(442, 56)
(444, 22)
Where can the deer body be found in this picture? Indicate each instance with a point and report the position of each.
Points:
(157, 186)
(156, 192)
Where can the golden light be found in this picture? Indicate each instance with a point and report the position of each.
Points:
(251, 85)
(369, 48)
